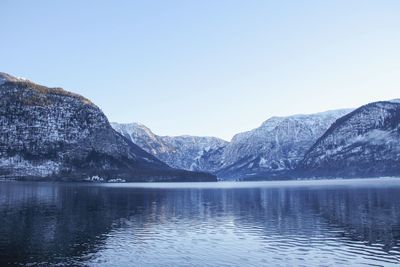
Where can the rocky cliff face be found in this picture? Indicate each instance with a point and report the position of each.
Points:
(364, 143)
(184, 152)
(276, 147)
(49, 133)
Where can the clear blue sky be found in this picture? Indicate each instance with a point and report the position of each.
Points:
(207, 67)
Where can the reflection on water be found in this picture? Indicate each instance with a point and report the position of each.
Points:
(353, 224)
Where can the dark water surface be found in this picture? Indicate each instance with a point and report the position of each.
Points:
(304, 223)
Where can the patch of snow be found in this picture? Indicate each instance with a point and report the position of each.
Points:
(263, 162)
(376, 137)
(148, 160)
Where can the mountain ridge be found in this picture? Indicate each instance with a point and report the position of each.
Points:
(366, 142)
(243, 155)
(53, 134)
(177, 151)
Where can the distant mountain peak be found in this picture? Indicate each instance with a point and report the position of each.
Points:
(277, 145)
(177, 151)
(308, 115)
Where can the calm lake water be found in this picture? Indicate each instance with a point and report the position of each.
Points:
(301, 223)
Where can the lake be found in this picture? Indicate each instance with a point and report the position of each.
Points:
(293, 223)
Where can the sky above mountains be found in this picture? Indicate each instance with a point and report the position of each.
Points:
(207, 67)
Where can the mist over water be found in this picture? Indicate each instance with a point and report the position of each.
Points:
(304, 223)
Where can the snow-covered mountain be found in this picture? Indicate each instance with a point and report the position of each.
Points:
(347, 143)
(184, 152)
(364, 143)
(50, 133)
(276, 147)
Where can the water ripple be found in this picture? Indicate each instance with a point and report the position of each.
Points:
(64, 225)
